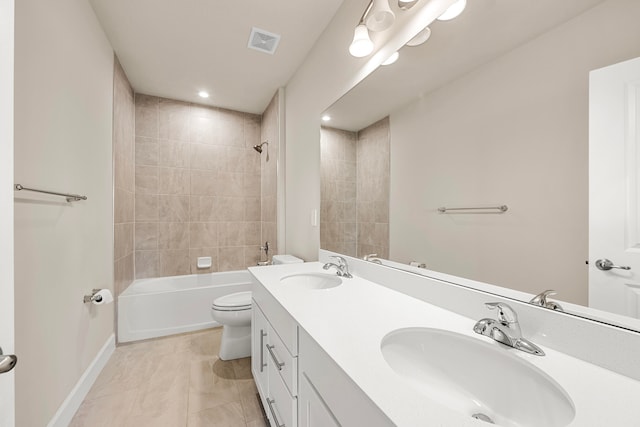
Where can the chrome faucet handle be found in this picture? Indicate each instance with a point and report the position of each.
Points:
(541, 300)
(372, 258)
(342, 266)
(506, 314)
(341, 261)
(506, 329)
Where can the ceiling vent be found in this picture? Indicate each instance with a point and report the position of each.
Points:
(264, 41)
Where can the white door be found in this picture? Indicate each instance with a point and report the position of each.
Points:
(614, 188)
(7, 388)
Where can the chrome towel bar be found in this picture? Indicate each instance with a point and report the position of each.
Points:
(501, 209)
(70, 197)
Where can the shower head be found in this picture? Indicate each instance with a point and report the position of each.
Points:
(258, 148)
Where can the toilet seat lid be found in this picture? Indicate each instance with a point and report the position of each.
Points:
(235, 301)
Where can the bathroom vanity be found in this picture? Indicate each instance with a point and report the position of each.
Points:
(296, 379)
(331, 351)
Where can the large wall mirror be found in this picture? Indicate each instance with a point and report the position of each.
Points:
(494, 110)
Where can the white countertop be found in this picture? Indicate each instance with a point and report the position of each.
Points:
(350, 320)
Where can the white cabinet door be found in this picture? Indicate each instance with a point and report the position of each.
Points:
(259, 329)
(614, 187)
(313, 411)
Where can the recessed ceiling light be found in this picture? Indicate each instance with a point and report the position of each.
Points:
(453, 11)
(393, 58)
(203, 94)
(326, 118)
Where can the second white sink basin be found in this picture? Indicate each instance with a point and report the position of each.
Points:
(476, 378)
(312, 281)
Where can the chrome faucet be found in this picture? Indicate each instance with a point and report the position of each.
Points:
(372, 258)
(506, 329)
(342, 267)
(541, 300)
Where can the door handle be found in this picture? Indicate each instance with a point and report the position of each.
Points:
(262, 335)
(279, 364)
(271, 403)
(7, 362)
(606, 265)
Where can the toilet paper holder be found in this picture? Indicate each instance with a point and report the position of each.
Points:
(93, 297)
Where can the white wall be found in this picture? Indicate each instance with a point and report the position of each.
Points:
(7, 381)
(513, 132)
(63, 118)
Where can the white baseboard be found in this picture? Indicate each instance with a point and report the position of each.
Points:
(68, 409)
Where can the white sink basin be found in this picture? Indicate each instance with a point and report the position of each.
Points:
(475, 377)
(312, 281)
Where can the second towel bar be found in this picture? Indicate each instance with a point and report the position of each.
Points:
(501, 208)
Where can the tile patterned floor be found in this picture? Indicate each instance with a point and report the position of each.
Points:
(176, 381)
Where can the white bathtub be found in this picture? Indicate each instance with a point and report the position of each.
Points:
(162, 306)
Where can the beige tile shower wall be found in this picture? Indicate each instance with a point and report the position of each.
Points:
(269, 171)
(373, 172)
(124, 185)
(197, 188)
(338, 190)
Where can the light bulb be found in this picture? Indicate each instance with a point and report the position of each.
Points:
(326, 118)
(420, 38)
(393, 58)
(453, 11)
(406, 4)
(361, 45)
(380, 17)
(203, 94)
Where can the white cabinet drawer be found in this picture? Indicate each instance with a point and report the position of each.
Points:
(278, 317)
(281, 408)
(285, 364)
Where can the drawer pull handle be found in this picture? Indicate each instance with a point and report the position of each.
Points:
(279, 364)
(262, 335)
(271, 402)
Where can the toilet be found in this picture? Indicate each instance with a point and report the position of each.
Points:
(233, 312)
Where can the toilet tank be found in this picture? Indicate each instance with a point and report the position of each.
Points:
(286, 259)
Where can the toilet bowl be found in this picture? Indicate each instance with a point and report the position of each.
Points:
(233, 312)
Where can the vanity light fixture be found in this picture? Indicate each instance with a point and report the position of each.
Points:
(203, 94)
(326, 118)
(453, 11)
(378, 16)
(393, 58)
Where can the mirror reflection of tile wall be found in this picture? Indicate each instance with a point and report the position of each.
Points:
(338, 190)
(354, 197)
(372, 194)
